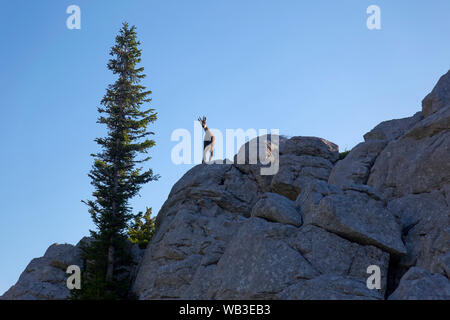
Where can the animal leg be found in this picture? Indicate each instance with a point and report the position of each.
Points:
(205, 151)
(211, 154)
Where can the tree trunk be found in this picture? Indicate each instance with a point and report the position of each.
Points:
(110, 269)
(110, 266)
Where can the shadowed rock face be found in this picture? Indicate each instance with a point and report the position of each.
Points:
(202, 228)
(356, 214)
(439, 98)
(385, 204)
(311, 230)
(419, 283)
(45, 278)
(276, 208)
(407, 161)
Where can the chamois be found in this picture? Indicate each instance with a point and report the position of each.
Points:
(208, 140)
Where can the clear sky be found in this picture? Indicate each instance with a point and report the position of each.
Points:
(308, 68)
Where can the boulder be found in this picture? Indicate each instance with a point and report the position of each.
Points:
(295, 157)
(222, 184)
(332, 254)
(438, 98)
(413, 164)
(420, 284)
(45, 278)
(432, 125)
(425, 223)
(258, 263)
(264, 259)
(329, 287)
(277, 208)
(393, 129)
(296, 171)
(355, 167)
(353, 214)
(258, 150)
(259, 159)
(311, 146)
(191, 242)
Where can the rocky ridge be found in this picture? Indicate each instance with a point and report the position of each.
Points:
(308, 232)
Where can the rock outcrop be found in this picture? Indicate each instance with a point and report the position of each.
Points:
(228, 232)
(277, 208)
(439, 98)
(312, 229)
(45, 278)
(419, 283)
(354, 213)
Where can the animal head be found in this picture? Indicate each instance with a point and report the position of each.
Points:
(202, 121)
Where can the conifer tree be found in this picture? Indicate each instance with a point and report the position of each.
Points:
(142, 229)
(116, 173)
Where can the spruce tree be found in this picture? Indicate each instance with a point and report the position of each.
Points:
(116, 173)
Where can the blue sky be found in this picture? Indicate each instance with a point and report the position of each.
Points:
(308, 68)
